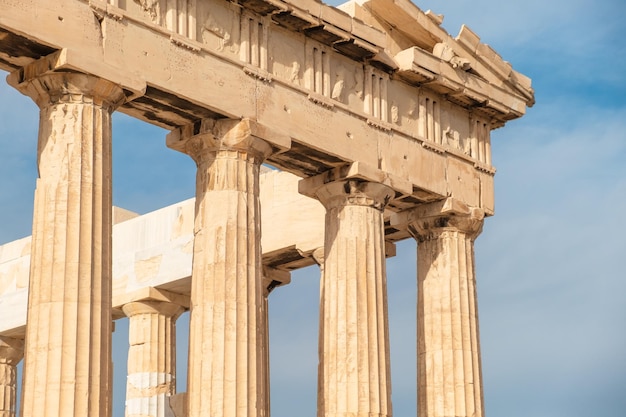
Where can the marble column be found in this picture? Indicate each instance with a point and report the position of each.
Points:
(226, 359)
(11, 353)
(151, 357)
(354, 371)
(449, 370)
(67, 362)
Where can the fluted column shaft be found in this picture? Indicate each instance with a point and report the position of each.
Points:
(67, 365)
(226, 356)
(449, 370)
(354, 371)
(11, 352)
(151, 357)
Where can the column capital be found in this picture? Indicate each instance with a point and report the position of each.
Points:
(68, 77)
(163, 308)
(11, 350)
(148, 294)
(354, 192)
(428, 221)
(72, 88)
(353, 174)
(208, 136)
(432, 227)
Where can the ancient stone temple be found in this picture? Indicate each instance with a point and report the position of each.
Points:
(379, 124)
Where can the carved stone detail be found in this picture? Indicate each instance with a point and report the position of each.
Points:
(480, 142)
(429, 123)
(454, 140)
(152, 8)
(445, 52)
(318, 70)
(375, 101)
(294, 76)
(254, 41)
(225, 25)
(180, 17)
(395, 113)
(339, 84)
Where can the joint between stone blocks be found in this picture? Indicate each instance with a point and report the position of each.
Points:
(358, 171)
(238, 134)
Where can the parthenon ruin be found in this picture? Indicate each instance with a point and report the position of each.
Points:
(378, 123)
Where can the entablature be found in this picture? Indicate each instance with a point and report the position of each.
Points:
(421, 117)
(464, 70)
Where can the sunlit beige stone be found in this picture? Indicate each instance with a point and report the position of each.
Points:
(354, 372)
(449, 369)
(151, 357)
(226, 376)
(68, 340)
(359, 100)
(11, 352)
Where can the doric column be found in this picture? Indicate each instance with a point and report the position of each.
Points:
(151, 357)
(226, 375)
(11, 352)
(354, 372)
(67, 363)
(449, 371)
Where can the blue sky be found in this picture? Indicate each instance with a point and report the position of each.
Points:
(551, 283)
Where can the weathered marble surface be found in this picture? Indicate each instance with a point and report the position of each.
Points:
(386, 116)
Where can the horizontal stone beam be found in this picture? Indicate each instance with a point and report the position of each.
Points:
(173, 79)
(152, 253)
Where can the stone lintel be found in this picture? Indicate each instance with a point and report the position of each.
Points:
(11, 350)
(355, 170)
(317, 255)
(121, 215)
(446, 207)
(383, 60)
(390, 249)
(66, 60)
(148, 294)
(273, 278)
(229, 132)
(418, 61)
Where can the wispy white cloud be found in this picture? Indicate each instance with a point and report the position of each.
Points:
(549, 262)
